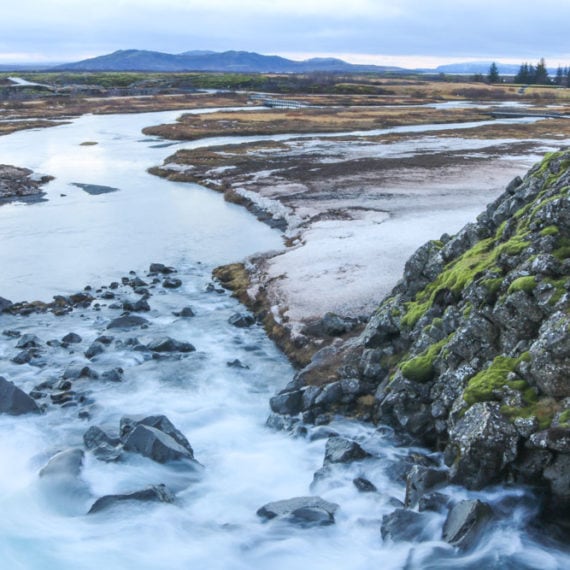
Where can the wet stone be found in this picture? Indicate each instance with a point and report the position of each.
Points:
(241, 320)
(94, 350)
(71, 338)
(66, 463)
(465, 523)
(305, 511)
(167, 344)
(126, 322)
(186, 312)
(14, 401)
(403, 525)
(154, 493)
(29, 341)
(11, 333)
(342, 450)
(171, 283)
(364, 485)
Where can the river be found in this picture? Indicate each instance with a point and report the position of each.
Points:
(75, 239)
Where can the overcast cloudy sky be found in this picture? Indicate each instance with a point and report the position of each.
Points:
(399, 32)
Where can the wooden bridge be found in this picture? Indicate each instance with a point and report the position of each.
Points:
(282, 103)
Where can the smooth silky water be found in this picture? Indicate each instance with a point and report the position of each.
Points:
(70, 241)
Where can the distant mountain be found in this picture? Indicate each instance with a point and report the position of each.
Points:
(229, 61)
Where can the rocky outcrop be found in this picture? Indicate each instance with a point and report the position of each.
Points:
(20, 183)
(470, 352)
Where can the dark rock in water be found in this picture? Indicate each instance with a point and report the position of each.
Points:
(14, 401)
(23, 357)
(103, 446)
(4, 304)
(141, 305)
(288, 403)
(113, 375)
(75, 371)
(66, 463)
(62, 397)
(465, 523)
(167, 344)
(420, 480)
(172, 283)
(341, 450)
(94, 350)
(161, 268)
(138, 282)
(404, 525)
(241, 320)
(71, 338)
(186, 313)
(29, 341)
(159, 422)
(11, 333)
(306, 511)
(105, 339)
(237, 364)
(95, 436)
(156, 445)
(322, 432)
(108, 295)
(155, 493)
(433, 502)
(483, 443)
(364, 485)
(95, 189)
(127, 322)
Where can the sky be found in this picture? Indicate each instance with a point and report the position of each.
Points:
(407, 33)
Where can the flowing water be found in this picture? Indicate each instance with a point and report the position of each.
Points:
(69, 241)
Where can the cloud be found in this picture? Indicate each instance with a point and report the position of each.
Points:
(444, 28)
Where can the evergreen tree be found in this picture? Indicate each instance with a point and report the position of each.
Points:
(559, 76)
(523, 74)
(541, 73)
(493, 75)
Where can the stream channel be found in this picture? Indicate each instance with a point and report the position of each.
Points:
(76, 238)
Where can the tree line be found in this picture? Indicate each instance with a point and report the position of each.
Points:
(530, 74)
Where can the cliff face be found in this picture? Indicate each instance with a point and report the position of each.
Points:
(471, 352)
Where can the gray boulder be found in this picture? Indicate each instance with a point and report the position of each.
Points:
(29, 341)
(558, 476)
(171, 283)
(342, 450)
(241, 320)
(94, 350)
(103, 446)
(5, 304)
(140, 305)
(71, 338)
(550, 357)
(465, 523)
(167, 344)
(156, 445)
(364, 485)
(420, 480)
(65, 464)
(287, 403)
(481, 444)
(161, 268)
(14, 401)
(127, 322)
(159, 422)
(154, 493)
(404, 525)
(306, 511)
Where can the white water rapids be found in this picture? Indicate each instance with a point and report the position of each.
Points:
(70, 241)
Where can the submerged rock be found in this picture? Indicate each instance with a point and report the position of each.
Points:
(465, 523)
(167, 344)
(404, 525)
(155, 445)
(14, 401)
(127, 322)
(241, 320)
(65, 464)
(306, 511)
(154, 493)
(342, 450)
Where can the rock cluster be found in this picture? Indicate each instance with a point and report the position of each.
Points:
(470, 354)
(18, 183)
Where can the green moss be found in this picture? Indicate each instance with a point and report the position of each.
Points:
(549, 231)
(420, 368)
(488, 384)
(526, 284)
(467, 310)
(543, 410)
(564, 418)
(559, 289)
(492, 285)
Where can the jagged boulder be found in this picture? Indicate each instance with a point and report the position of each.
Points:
(465, 523)
(342, 450)
(14, 401)
(305, 511)
(155, 493)
(481, 445)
